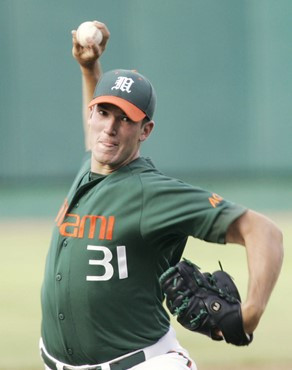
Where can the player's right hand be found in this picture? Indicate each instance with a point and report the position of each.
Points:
(88, 56)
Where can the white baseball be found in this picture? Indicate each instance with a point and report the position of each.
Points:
(88, 34)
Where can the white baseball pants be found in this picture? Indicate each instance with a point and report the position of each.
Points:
(164, 354)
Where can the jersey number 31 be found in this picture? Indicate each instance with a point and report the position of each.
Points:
(105, 262)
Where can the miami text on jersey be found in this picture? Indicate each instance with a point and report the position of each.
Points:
(73, 225)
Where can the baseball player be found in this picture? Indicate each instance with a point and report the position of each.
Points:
(121, 226)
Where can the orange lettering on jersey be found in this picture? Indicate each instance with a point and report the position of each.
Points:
(75, 226)
(110, 227)
(215, 199)
(61, 214)
(92, 226)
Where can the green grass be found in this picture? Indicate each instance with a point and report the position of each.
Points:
(23, 249)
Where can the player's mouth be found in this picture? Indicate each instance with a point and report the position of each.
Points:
(108, 144)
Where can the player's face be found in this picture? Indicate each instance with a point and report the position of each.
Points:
(114, 138)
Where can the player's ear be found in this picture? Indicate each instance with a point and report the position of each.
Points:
(146, 130)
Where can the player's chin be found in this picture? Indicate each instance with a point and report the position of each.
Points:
(106, 152)
(105, 157)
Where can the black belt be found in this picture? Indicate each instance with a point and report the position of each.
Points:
(122, 364)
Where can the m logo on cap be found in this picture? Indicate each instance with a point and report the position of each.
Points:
(123, 84)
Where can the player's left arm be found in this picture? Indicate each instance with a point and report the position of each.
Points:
(264, 248)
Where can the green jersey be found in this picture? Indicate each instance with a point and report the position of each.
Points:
(114, 236)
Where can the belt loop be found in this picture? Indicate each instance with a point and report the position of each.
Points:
(59, 366)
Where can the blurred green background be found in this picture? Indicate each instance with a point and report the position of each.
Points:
(221, 68)
(223, 75)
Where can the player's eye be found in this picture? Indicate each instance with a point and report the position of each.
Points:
(101, 111)
(126, 119)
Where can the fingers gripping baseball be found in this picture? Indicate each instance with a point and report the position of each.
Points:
(87, 55)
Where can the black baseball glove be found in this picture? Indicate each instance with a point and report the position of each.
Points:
(205, 303)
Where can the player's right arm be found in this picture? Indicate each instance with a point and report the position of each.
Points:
(89, 61)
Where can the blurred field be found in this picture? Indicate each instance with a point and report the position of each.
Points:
(23, 249)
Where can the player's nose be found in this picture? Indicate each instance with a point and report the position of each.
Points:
(111, 126)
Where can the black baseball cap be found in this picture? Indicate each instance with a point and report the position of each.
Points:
(128, 90)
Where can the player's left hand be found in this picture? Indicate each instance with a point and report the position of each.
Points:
(205, 303)
(88, 56)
